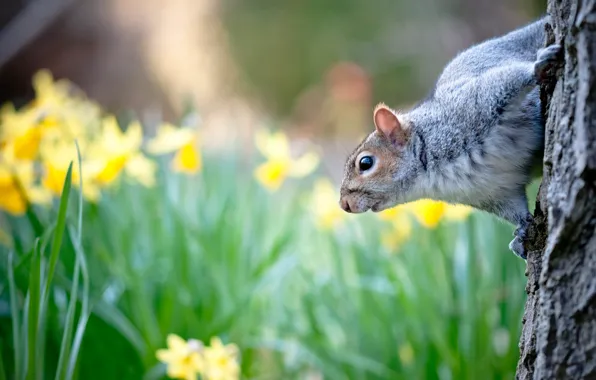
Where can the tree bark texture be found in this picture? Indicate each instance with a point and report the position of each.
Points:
(558, 339)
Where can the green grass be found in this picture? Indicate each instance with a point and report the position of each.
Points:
(96, 294)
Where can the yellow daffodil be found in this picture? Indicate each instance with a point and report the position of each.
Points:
(26, 146)
(53, 179)
(17, 187)
(325, 205)
(221, 361)
(142, 169)
(116, 142)
(457, 212)
(117, 151)
(42, 133)
(187, 159)
(49, 93)
(111, 170)
(280, 164)
(12, 201)
(183, 141)
(183, 359)
(272, 174)
(20, 136)
(392, 213)
(430, 212)
(401, 227)
(427, 212)
(56, 155)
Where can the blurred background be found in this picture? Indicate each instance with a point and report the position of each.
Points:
(240, 256)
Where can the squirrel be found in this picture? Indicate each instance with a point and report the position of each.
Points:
(477, 139)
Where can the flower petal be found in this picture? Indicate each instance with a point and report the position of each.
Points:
(39, 195)
(427, 212)
(325, 204)
(170, 138)
(187, 159)
(216, 343)
(197, 362)
(133, 136)
(457, 212)
(304, 165)
(180, 371)
(272, 145)
(271, 174)
(166, 356)
(111, 133)
(142, 169)
(392, 213)
(176, 344)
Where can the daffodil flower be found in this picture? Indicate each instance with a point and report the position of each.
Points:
(183, 141)
(430, 212)
(325, 206)
(57, 154)
(183, 359)
(20, 136)
(221, 361)
(457, 212)
(117, 151)
(17, 187)
(401, 227)
(49, 93)
(280, 164)
(12, 201)
(42, 133)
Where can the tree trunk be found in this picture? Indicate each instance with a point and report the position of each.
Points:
(558, 339)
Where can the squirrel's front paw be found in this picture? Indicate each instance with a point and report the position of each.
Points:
(548, 61)
(517, 246)
(520, 233)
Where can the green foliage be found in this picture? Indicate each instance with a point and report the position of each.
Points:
(31, 315)
(216, 255)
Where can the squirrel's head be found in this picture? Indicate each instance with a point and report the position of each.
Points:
(377, 174)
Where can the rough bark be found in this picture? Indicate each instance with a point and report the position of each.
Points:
(559, 326)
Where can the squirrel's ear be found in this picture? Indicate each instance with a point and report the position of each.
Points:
(387, 123)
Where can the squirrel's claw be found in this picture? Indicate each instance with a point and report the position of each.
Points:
(548, 61)
(517, 246)
(521, 232)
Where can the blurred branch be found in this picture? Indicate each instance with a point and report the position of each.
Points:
(27, 25)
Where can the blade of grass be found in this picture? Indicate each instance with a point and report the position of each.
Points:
(33, 320)
(16, 325)
(85, 310)
(24, 258)
(68, 324)
(59, 232)
(23, 328)
(2, 370)
(80, 198)
(42, 319)
(80, 262)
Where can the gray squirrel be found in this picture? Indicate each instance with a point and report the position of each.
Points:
(475, 140)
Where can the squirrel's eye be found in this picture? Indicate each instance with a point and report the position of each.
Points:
(366, 163)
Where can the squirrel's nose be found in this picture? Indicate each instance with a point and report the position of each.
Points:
(345, 205)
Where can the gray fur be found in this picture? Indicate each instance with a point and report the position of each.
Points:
(476, 138)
